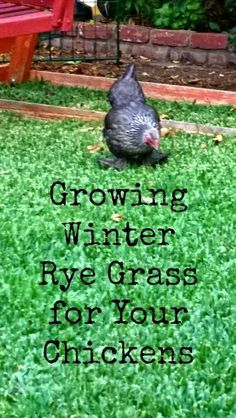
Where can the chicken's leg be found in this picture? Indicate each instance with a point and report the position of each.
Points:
(112, 161)
(156, 157)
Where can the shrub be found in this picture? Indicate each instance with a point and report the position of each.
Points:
(141, 9)
(216, 15)
(186, 14)
(220, 15)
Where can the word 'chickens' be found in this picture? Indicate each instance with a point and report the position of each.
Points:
(131, 127)
(60, 194)
(56, 351)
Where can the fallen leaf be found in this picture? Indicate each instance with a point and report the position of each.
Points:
(71, 62)
(173, 77)
(218, 138)
(117, 217)
(86, 129)
(193, 80)
(145, 74)
(167, 131)
(147, 200)
(176, 62)
(203, 145)
(170, 66)
(163, 116)
(94, 148)
(130, 21)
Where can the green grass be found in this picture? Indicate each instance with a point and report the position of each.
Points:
(41, 92)
(33, 155)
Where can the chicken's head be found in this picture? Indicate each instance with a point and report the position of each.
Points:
(151, 137)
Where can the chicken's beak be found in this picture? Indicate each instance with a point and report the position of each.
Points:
(153, 140)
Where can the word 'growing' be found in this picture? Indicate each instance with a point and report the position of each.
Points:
(61, 195)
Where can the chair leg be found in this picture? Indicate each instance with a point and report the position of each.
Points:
(3, 73)
(21, 58)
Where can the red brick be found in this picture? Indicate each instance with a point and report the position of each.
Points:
(195, 57)
(208, 40)
(106, 48)
(160, 53)
(89, 47)
(176, 54)
(74, 32)
(135, 34)
(56, 43)
(218, 58)
(170, 37)
(198, 57)
(232, 58)
(126, 48)
(95, 31)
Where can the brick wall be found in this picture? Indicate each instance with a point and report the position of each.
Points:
(156, 44)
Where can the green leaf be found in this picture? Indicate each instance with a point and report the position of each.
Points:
(214, 26)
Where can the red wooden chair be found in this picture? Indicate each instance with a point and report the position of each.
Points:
(20, 23)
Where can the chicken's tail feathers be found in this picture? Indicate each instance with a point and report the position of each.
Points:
(130, 72)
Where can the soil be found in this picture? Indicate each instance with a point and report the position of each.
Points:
(170, 73)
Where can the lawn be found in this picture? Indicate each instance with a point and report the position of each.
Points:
(34, 154)
(42, 92)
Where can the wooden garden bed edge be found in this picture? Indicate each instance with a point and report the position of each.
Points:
(151, 90)
(43, 111)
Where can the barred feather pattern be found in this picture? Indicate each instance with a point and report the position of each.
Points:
(124, 129)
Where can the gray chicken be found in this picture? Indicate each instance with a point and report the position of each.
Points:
(131, 127)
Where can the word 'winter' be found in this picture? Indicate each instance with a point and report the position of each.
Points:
(76, 234)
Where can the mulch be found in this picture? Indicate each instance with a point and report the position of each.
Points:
(174, 73)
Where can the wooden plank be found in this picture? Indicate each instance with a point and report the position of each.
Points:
(6, 45)
(17, 13)
(62, 11)
(20, 22)
(5, 7)
(42, 111)
(197, 128)
(50, 112)
(14, 9)
(27, 24)
(21, 59)
(191, 94)
(35, 3)
(5, 4)
(3, 72)
(152, 90)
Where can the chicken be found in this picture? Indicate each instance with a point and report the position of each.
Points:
(86, 10)
(108, 8)
(131, 127)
